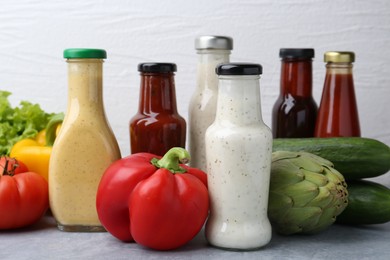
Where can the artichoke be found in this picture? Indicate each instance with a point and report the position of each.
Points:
(306, 193)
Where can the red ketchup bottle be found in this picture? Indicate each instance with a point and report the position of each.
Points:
(294, 112)
(157, 126)
(338, 114)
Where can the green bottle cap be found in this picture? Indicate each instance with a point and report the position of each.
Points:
(81, 53)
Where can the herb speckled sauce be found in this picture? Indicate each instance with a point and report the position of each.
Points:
(238, 150)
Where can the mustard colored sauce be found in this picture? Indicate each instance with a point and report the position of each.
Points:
(84, 148)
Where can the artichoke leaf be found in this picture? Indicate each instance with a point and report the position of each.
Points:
(327, 218)
(278, 205)
(282, 177)
(281, 155)
(305, 163)
(335, 176)
(301, 193)
(316, 178)
(322, 200)
(297, 219)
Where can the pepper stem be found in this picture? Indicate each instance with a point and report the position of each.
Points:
(51, 128)
(172, 160)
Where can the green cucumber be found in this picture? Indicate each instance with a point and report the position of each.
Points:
(368, 203)
(353, 157)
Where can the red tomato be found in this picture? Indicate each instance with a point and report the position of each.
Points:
(24, 197)
(160, 204)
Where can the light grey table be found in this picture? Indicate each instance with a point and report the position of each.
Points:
(44, 241)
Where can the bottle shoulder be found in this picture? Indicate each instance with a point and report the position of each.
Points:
(226, 127)
(289, 101)
(156, 118)
(86, 139)
(203, 104)
(254, 136)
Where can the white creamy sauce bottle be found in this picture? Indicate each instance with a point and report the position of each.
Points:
(84, 147)
(238, 152)
(212, 50)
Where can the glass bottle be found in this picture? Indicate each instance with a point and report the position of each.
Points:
(338, 114)
(211, 50)
(84, 147)
(238, 155)
(295, 111)
(157, 126)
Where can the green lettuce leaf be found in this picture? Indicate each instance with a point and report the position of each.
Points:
(23, 121)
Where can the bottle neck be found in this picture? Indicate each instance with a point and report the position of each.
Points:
(296, 77)
(339, 78)
(85, 87)
(207, 62)
(157, 94)
(339, 68)
(239, 100)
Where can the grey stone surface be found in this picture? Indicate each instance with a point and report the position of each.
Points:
(44, 241)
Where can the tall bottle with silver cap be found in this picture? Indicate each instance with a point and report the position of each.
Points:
(211, 50)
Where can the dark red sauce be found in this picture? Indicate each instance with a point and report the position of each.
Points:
(338, 114)
(157, 126)
(294, 113)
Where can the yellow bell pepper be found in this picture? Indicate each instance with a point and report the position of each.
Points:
(35, 153)
(35, 156)
(41, 137)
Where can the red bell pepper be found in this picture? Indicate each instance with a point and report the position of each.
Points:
(158, 203)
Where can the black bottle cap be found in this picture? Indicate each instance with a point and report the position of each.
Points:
(239, 69)
(296, 53)
(157, 67)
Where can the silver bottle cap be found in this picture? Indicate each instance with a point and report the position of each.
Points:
(214, 42)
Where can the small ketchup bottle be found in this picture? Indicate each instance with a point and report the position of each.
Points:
(157, 126)
(295, 111)
(338, 114)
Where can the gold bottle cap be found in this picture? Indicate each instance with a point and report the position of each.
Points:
(339, 56)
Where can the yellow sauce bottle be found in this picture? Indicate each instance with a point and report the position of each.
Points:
(84, 147)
